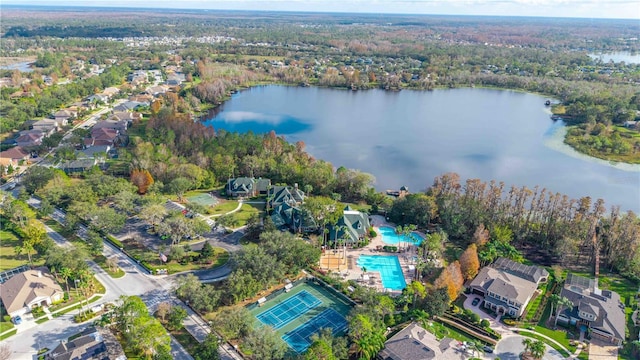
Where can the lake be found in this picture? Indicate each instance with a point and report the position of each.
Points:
(617, 57)
(410, 137)
(24, 66)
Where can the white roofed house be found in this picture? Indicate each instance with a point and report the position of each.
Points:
(63, 116)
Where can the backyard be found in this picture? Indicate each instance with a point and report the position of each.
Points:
(9, 259)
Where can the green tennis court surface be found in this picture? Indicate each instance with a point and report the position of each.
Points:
(302, 312)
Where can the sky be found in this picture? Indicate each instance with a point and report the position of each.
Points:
(617, 9)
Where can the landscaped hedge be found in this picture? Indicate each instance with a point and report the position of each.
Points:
(389, 248)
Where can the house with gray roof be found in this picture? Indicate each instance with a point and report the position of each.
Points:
(90, 344)
(599, 311)
(353, 227)
(508, 286)
(247, 187)
(290, 217)
(416, 343)
(280, 194)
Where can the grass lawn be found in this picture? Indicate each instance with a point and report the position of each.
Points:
(43, 320)
(246, 211)
(8, 257)
(6, 324)
(102, 261)
(152, 260)
(224, 207)
(10, 333)
(75, 307)
(441, 330)
(185, 339)
(537, 337)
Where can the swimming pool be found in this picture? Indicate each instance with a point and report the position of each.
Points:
(389, 268)
(389, 236)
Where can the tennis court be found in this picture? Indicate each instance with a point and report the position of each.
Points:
(298, 314)
(300, 338)
(290, 309)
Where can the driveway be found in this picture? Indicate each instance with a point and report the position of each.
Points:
(599, 350)
(510, 347)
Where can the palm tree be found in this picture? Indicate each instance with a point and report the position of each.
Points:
(26, 247)
(65, 274)
(538, 349)
(554, 299)
(562, 302)
(528, 344)
(476, 347)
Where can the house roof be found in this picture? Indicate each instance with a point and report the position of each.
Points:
(128, 106)
(112, 123)
(416, 343)
(354, 224)
(63, 113)
(104, 134)
(529, 272)
(241, 185)
(25, 287)
(289, 194)
(29, 137)
(604, 304)
(14, 153)
(504, 284)
(91, 344)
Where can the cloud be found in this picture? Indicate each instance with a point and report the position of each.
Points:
(244, 116)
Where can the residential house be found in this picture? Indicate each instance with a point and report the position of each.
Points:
(97, 98)
(110, 92)
(102, 136)
(91, 152)
(78, 166)
(286, 216)
(415, 343)
(599, 311)
(14, 156)
(63, 116)
(157, 90)
(279, 194)
(29, 289)
(90, 344)
(247, 187)
(47, 126)
(30, 138)
(127, 117)
(352, 227)
(141, 98)
(508, 286)
(129, 106)
(114, 123)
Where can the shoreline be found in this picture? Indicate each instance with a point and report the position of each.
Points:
(554, 139)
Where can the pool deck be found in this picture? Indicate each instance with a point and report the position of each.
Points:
(348, 269)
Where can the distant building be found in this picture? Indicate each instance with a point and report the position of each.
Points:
(290, 195)
(13, 156)
(416, 343)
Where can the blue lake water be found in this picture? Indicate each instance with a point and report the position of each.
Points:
(617, 57)
(410, 137)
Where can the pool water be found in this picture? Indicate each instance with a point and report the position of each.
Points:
(388, 267)
(389, 236)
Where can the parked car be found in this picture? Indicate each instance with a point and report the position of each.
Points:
(488, 349)
(475, 301)
(17, 320)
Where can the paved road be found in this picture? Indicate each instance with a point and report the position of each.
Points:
(152, 290)
(510, 347)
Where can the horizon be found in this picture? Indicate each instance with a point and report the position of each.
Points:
(575, 9)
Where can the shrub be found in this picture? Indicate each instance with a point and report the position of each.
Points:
(372, 233)
(509, 322)
(485, 323)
